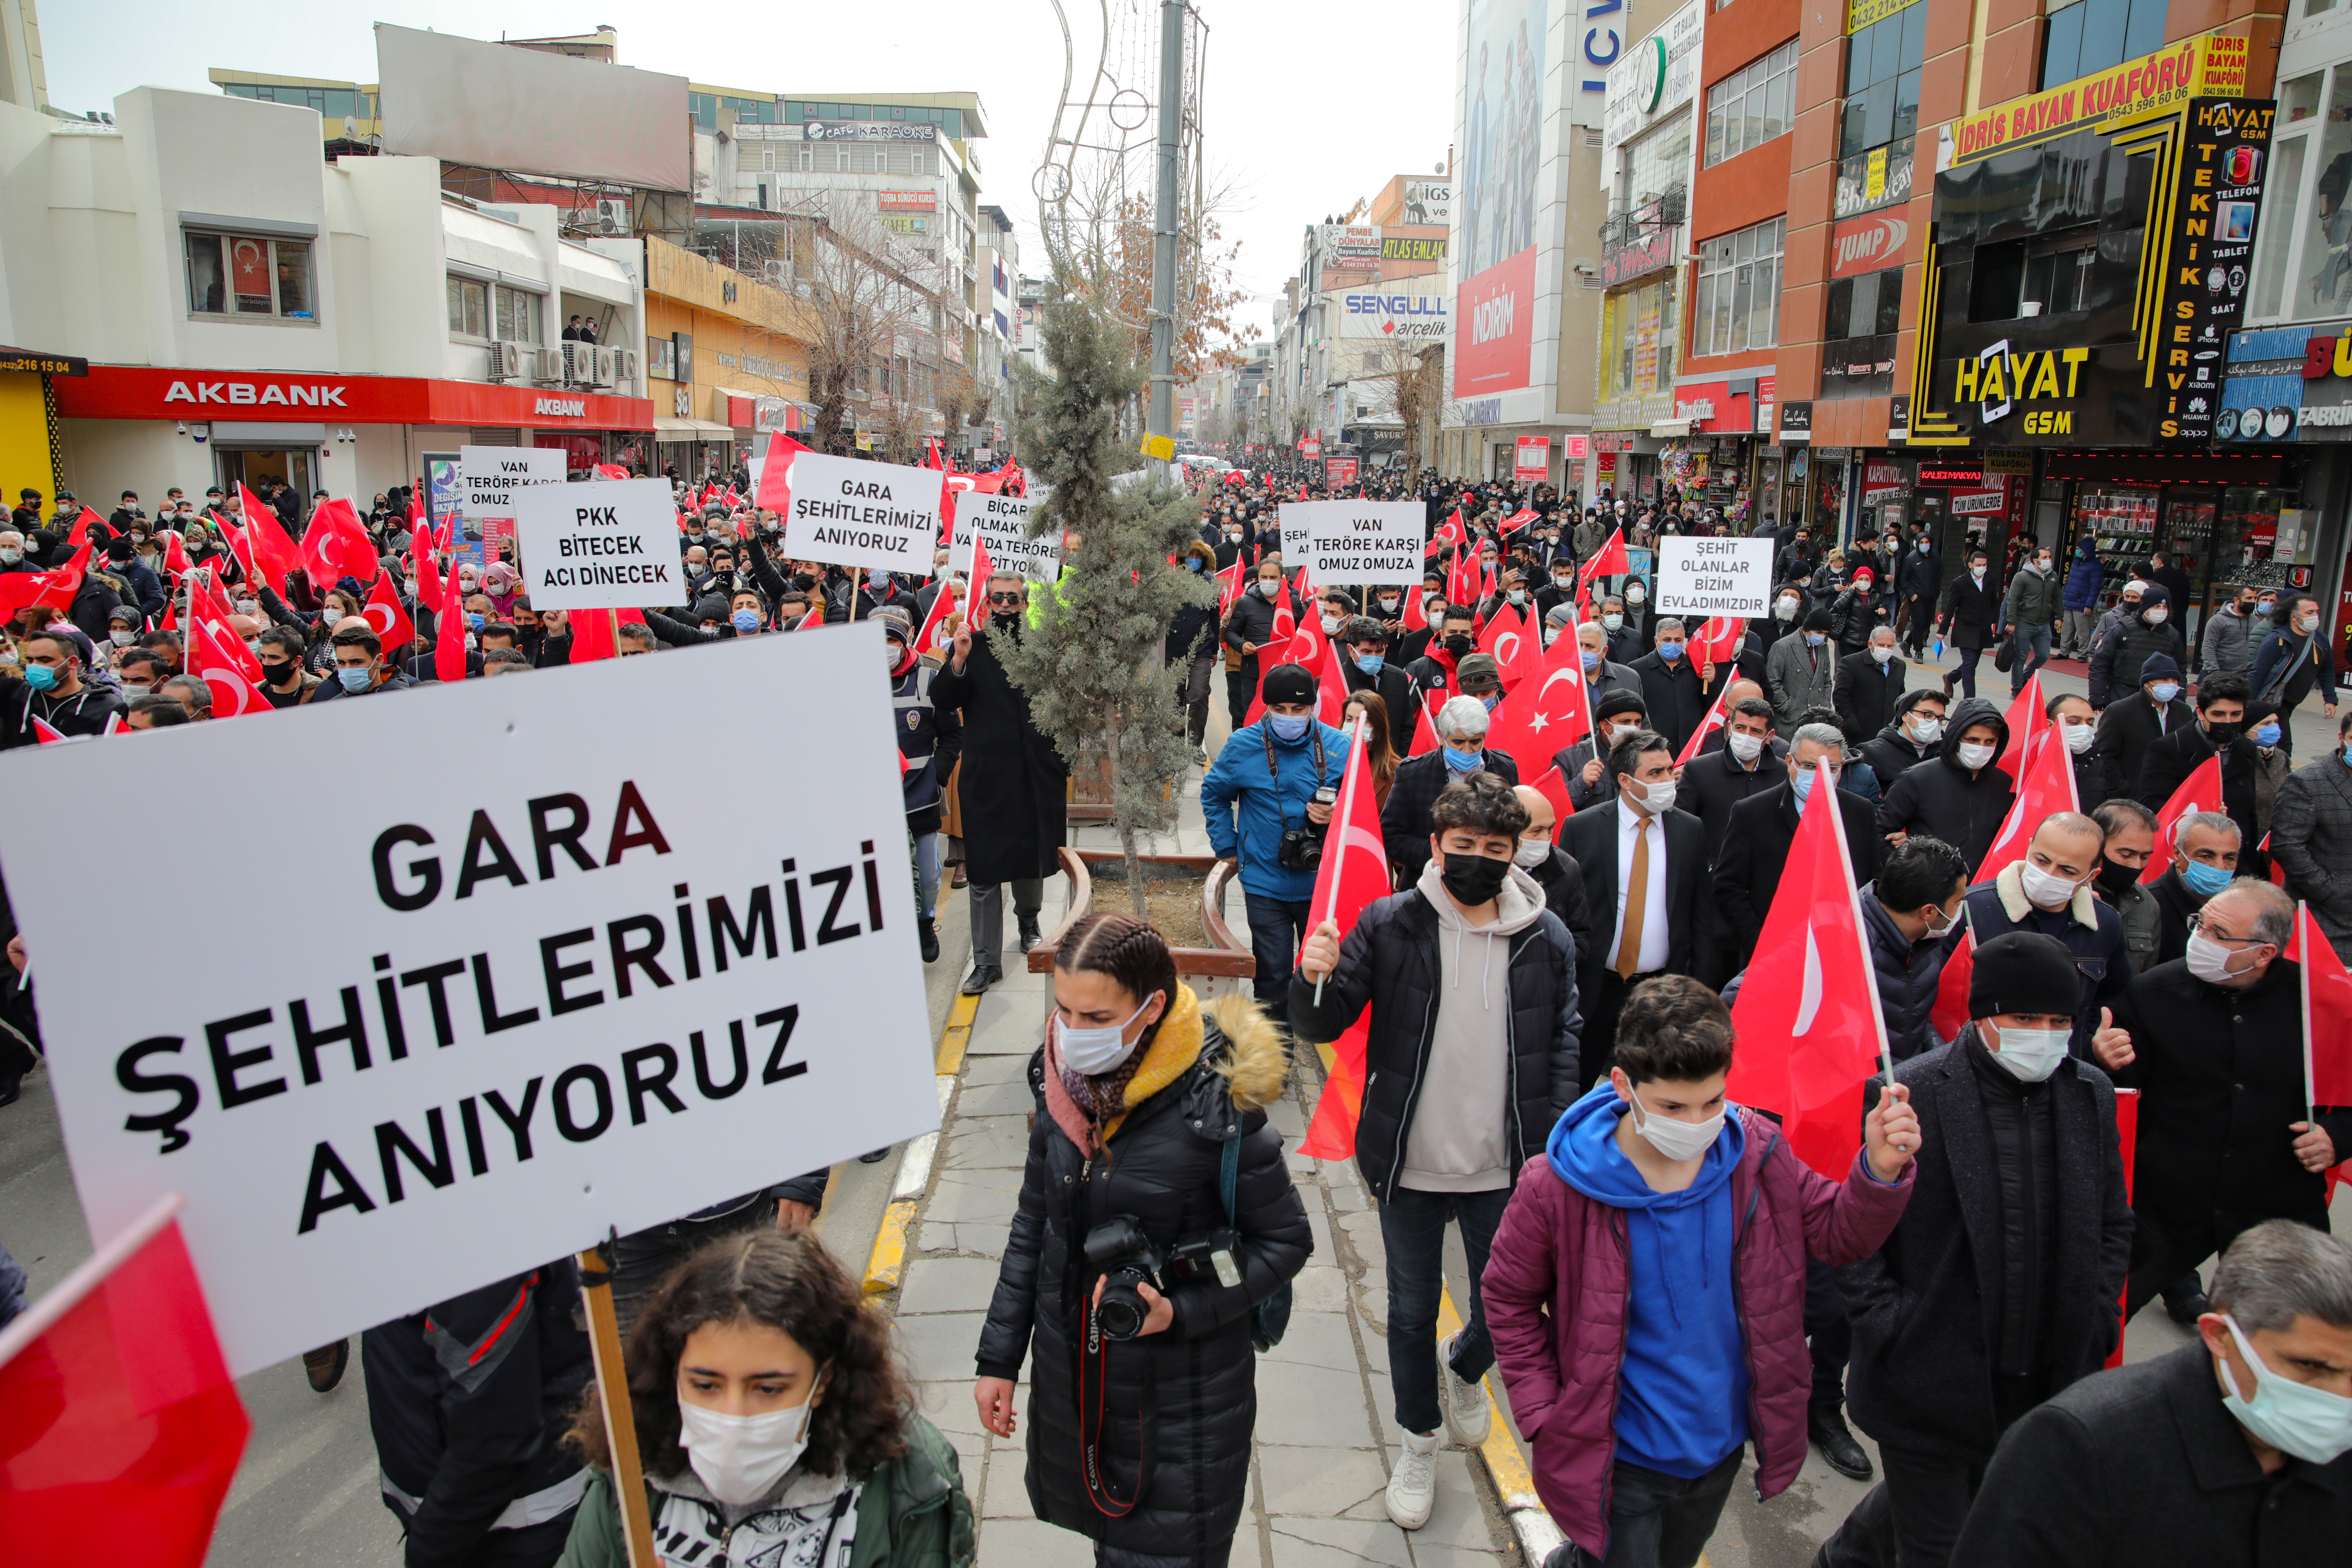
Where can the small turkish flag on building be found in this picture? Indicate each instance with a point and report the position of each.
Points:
(120, 1429)
(1809, 1024)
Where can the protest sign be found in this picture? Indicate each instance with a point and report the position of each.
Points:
(854, 513)
(544, 996)
(600, 545)
(488, 480)
(1355, 540)
(1714, 576)
(1003, 522)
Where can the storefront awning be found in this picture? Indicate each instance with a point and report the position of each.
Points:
(1663, 429)
(691, 430)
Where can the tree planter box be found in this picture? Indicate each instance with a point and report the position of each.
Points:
(1216, 969)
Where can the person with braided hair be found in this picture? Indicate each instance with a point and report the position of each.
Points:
(1157, 1218)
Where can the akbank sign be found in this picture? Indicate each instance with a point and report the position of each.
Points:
(1372, 313)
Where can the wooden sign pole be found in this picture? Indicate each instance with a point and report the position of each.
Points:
(612, 1395)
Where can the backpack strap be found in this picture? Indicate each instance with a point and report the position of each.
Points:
(1229, 1167)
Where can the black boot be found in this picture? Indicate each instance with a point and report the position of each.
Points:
(929, 935)
(1825, 1425)
(981, 977)
(1030, 935)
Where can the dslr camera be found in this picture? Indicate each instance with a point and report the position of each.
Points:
(1127, 1258)
(1301, 849)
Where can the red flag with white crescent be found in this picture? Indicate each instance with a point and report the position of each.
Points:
(2025, 720)
(776, 474)
(1546, 714)
(1502, 638)
(219, 658)
(1353, 874)
(1424, 734)
(1229, 588)
(2200, 790)
(384, 612)
(1609, 561)
(937, 637)
(2047, 787)
(1706, 726)
(1450, 535)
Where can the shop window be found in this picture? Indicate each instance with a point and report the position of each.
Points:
(1882, 81)
(1752, 105)
(470, 308)
(2093, 35)
(1736, 305)
(248, 277)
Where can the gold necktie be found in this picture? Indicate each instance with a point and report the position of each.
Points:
(1637, 897)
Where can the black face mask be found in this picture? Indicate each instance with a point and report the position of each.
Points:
(1475, 878)
(1006, 621)
(2116, 881)
(2223, 734)
(1457, 644)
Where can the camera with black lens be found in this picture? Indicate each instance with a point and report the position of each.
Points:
(1302, 846)
(1124, 1254)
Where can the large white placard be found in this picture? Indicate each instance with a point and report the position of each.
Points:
(1355, 540)
(1714, 576)
(547, 992)
(488, 478)
(862, 514)
(1003, 522)
(599, 544)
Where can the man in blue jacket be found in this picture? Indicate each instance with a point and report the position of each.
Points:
(2081, 598)
(1273, 779)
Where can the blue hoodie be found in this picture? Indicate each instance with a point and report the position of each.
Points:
(1682, 1392)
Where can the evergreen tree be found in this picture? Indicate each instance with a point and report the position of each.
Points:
(1090, 662)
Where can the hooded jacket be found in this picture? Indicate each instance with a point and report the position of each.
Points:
(1908, 972)
(1557, 1286)
(1942, 799)
(1891, 753)
(1394, 964)
(2082, 579)
(1207, 1077)
(1456, 1143)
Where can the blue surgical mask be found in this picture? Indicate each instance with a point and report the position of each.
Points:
(1464, 762)
(745, 620)
(1289, 726)
(1815, 639)
(1492, 700)
(2205, 880)
(41, 677)
(1670, 651)
(1370, 663)
(1191, 563)
(1591, 660)
(2165, 691)
(2268, 735)
(354, 679)
(474, 621)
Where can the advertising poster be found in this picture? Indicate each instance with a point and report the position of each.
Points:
(1494, 236)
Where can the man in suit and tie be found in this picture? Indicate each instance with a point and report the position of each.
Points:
(1644, 864)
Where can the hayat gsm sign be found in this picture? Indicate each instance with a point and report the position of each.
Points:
(1495, 328)
(134, 391)
(1866, 244)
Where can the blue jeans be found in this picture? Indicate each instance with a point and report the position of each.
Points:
(2035, 640)
(926, 875)
(1276, 928)
(1413, 1233)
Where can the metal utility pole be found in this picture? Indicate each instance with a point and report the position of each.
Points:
(1160, 415)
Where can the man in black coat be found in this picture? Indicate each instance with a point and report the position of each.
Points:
(1753, 854)
(2220, 727)
(1746, 763)
(2154, 1463)
(1906, 912)
(1364, 663)
(2130, 725)
(1584, 765)
(1641, 826)
(1962, 796)
(1869, 685)
(1462, 725)
(2215, 1045)
(1671, 686)
(2050, 891)
(1913, 734)
(1999, 1286)
(1249, 627)
(1965, 612)
(1012, 790)
(1917, 578)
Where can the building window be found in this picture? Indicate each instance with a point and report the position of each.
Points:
(1736, 305)
(517, 314)
(1882, 81)
(249, 276)
(470, 308)
(1865, 306)
(1752, 105)
(2304, 252)
(2091, 35)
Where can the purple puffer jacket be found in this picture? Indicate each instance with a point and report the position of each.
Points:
(1561, 1249)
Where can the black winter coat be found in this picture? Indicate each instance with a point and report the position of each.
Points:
(1755, 851)
(1012, 800)
(2128, 728)
(1406, 822)
(1908, 973)
(2115, 666)
(1891, 754)
(1714, 782)
(1855, 614)
(1391, 963)
(1196, 1380)
(1676, 700)
(1563, 881)
(1926, 1307)
(1969, 608)
(1943, 800)
(2167, 764)
(1866, 694)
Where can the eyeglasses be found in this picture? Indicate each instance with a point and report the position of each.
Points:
(2203, 927)
(1004, 598)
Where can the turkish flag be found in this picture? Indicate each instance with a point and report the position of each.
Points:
(2026, 719)
(1951, 1005)
(273, 551)
(1502, 638)
(1229, 588)
(1461, 581)
(1424, 734)
(449, 635)
(240, 548)
(2200, 790)
(210, 598)
(219, 658)
(2127, 1135)
(1517, 521)
(1306, 646)
(2048, 786)
(1808, 1018)
(1449, 535)
(420, 559)
(937, 637)
(981, 569)
(47, 734)
(1717, 638)
(335, 546)
(598, 471)
(1416, 613)
(1553, 788)
(1609, 561)
(1354, 872)
(1706, 726)
(175, 554)
(2326, 1014)
(81, 534)
(776, 473)
(54, 589)
(391, 622)
(120, 1429)
(593, 632)
(1545, 715)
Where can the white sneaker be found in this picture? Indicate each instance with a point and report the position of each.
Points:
(1468, 1416)
(1413, 1485)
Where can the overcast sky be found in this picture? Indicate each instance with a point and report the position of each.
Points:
(1306, 109)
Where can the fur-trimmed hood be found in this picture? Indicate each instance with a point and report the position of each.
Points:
(1254, 1064)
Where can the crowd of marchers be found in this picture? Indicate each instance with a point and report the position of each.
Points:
(1661, 1291)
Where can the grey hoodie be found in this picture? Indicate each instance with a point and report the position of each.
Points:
(1460, 1141)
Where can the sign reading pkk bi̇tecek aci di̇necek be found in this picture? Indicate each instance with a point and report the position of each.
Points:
(862, 514)
(1355, 540)
(549, 994)
(1003, 521)
(602, 545)
(1715, 576)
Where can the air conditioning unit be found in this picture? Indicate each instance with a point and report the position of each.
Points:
(579, 364)
(778, 270)
(613, 216)
(607, 366)
(549, 368)
(628, 364)
(512, 360)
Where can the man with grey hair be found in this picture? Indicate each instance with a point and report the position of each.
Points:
(2228, 1453)
(2216, 1044)
(12, 552)
(1603, 670)
(190, 693)
(1755, 848)
(2205, 846)
(1405, 821)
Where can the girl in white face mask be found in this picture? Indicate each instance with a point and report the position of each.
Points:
(771, 1421)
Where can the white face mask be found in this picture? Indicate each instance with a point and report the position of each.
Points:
(741, 1457)
(1974, 754)
(1618, 732)
(2079, 737)
(1926, 731)
(1977, 573)
(122, 640)
(2030, 1054)
(2209, 960)
(2045, 891)
(1657, 798)
(2156, 616)
(1786, 609)
(2307, 625)
(1747, 747)
(1531, 853)
(1612, 623)
(1677, 1140)
(1634, 594)
(1881, 652)
(2310, 1424)
(1267, 589)
(1095, 1051)
(1330, 625)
